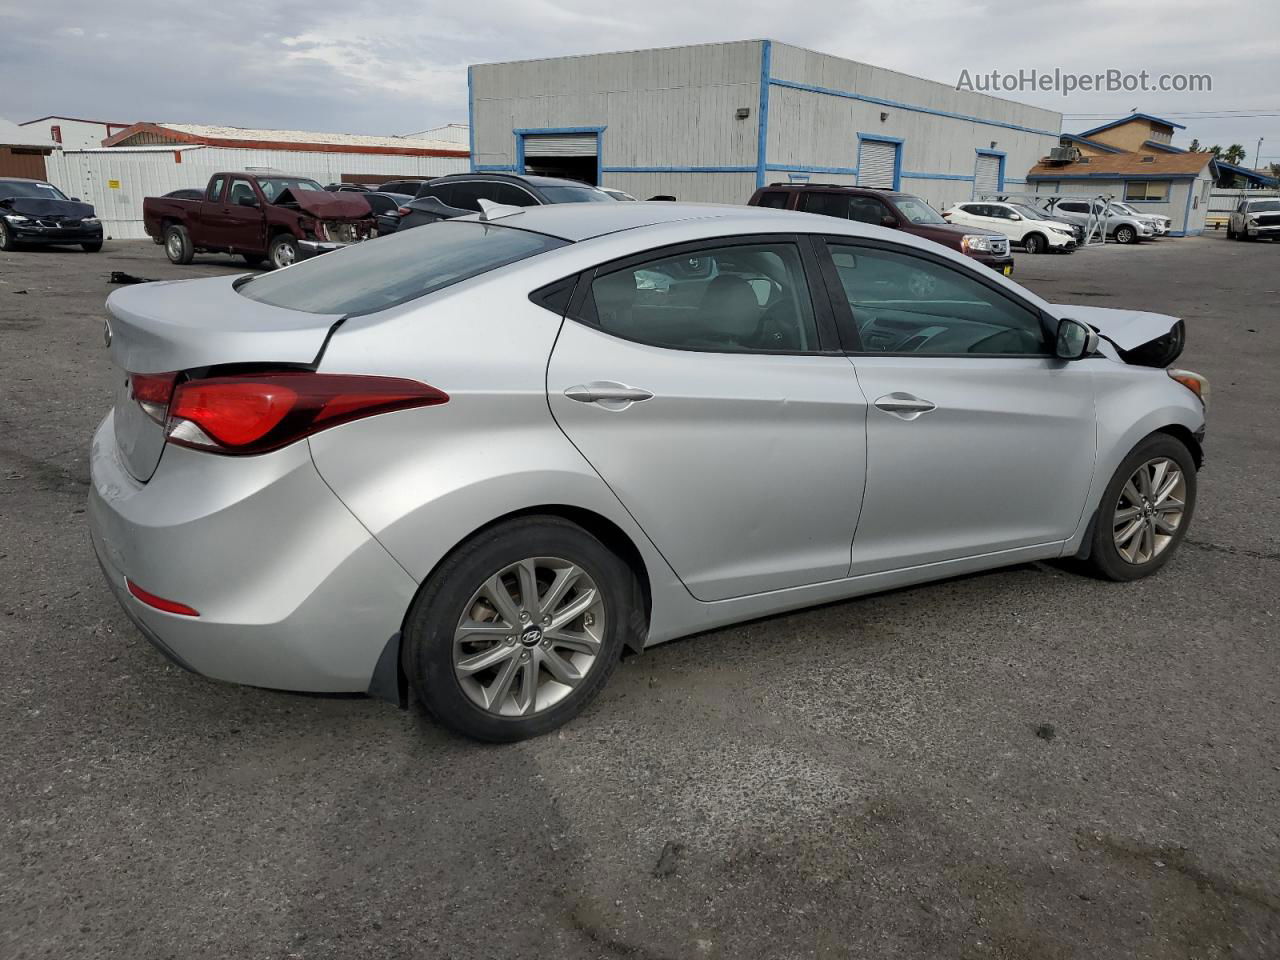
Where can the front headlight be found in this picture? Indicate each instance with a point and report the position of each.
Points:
(91, 221)
(17, 218)
(975, 243)
(1252, 221)
(1065, 231)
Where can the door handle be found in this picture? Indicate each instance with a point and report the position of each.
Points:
(904, 405)
(608, 393)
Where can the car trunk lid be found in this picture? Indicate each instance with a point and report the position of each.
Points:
(177, 326)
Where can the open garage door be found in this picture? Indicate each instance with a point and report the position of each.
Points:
(877, 164)
(570, 155)
(986, 176)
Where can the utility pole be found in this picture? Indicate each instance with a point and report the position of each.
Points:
(1258, 153)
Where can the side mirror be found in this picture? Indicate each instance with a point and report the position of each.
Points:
(1075, 340)
(1015, 216)
(76, 199)
(888, 221)
(246, 201)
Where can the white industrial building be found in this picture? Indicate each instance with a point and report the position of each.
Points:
(75, 133)
(147, 160)
(713, 122)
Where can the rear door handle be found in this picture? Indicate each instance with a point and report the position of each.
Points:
(904, 405)
(608, 393)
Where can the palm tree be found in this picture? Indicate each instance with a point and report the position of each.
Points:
(1216, 150)
(1195, 146)
(1233, 153)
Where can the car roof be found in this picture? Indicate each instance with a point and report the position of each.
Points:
(533, 179)
(584, 221)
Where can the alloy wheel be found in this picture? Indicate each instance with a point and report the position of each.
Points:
(528, 636)
(174, 246)
(1149, 511)
(283, 256)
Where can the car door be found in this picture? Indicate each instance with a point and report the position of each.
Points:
(241, 223)
(705, 384)
(978, 439)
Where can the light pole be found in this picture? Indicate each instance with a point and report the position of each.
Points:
(1257, 155)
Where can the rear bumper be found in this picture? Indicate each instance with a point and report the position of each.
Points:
(293, 593)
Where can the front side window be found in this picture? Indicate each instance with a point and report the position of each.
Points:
(729, 299)
(368, 277)
(902, 303)
(1146, 190)
(240, 190)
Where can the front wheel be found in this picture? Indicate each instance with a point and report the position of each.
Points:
(519, 628)
(283, 251)
(1145, 510)
(6, 238)
(92, 247)
(1126, 235)
(1231, 233)
(1034, 243)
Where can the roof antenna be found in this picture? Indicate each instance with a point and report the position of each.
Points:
(492, 211)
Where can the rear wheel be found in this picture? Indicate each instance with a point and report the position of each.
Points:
(283, 251)
(1231, 233)
(519, 628)
(177, 245)
(6, 238)
(1034, 243)
(1145, 510)
(1126, 235)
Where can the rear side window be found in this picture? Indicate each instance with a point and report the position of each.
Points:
(773, 198)
(368, 277)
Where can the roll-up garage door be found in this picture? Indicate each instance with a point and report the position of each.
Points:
(876, 163)
(986, 177)
(559, 144)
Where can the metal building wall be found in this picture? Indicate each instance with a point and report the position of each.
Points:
(140, 172)
(669, 116)
(818, 104)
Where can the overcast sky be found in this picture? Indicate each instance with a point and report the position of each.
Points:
(358, 66)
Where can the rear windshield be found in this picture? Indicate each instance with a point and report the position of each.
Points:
(575, 195)
(381, 273)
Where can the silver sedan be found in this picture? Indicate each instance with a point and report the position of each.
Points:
(479, 460)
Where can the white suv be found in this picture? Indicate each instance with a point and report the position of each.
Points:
(1017, 221)
(1253, 219)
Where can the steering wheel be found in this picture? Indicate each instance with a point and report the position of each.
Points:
(1021, 341)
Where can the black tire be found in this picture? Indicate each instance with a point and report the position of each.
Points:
(1231, 234)
(177, 245)
(92, 247)
(283, 251)
(7, 242)
(1126, 235)
(427, 652)
(253, 259)
(1105, 559)
(1034, 243)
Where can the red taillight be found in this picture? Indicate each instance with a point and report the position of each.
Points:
(255, 413)
(152, 391)
(160, 603)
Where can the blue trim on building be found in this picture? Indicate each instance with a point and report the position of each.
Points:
(471, 119)
(1186, 214)
(1000, 155)
(762, 122)
(915, 175)
(1132, 116)
(897, 153)
(1253, 175)
(679, 169)
(493, 168)
(828, 91)
(521, 131)
(1096, 144)
(807, 168)
(1009, 180)
(1166, 147)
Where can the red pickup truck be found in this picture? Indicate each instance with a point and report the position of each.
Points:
(272, 217)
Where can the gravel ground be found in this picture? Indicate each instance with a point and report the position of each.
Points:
(1023, 764)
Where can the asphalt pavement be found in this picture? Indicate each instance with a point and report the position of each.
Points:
(1022, 764)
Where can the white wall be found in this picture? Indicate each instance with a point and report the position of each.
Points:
(154, 171)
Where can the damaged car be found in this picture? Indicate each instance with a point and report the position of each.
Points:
(477, 460)
(261, 217)
(38, 213)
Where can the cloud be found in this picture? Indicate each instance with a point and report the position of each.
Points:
(359, 66)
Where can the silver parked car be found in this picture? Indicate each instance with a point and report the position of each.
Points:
(1096, 214)
(479, 459)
